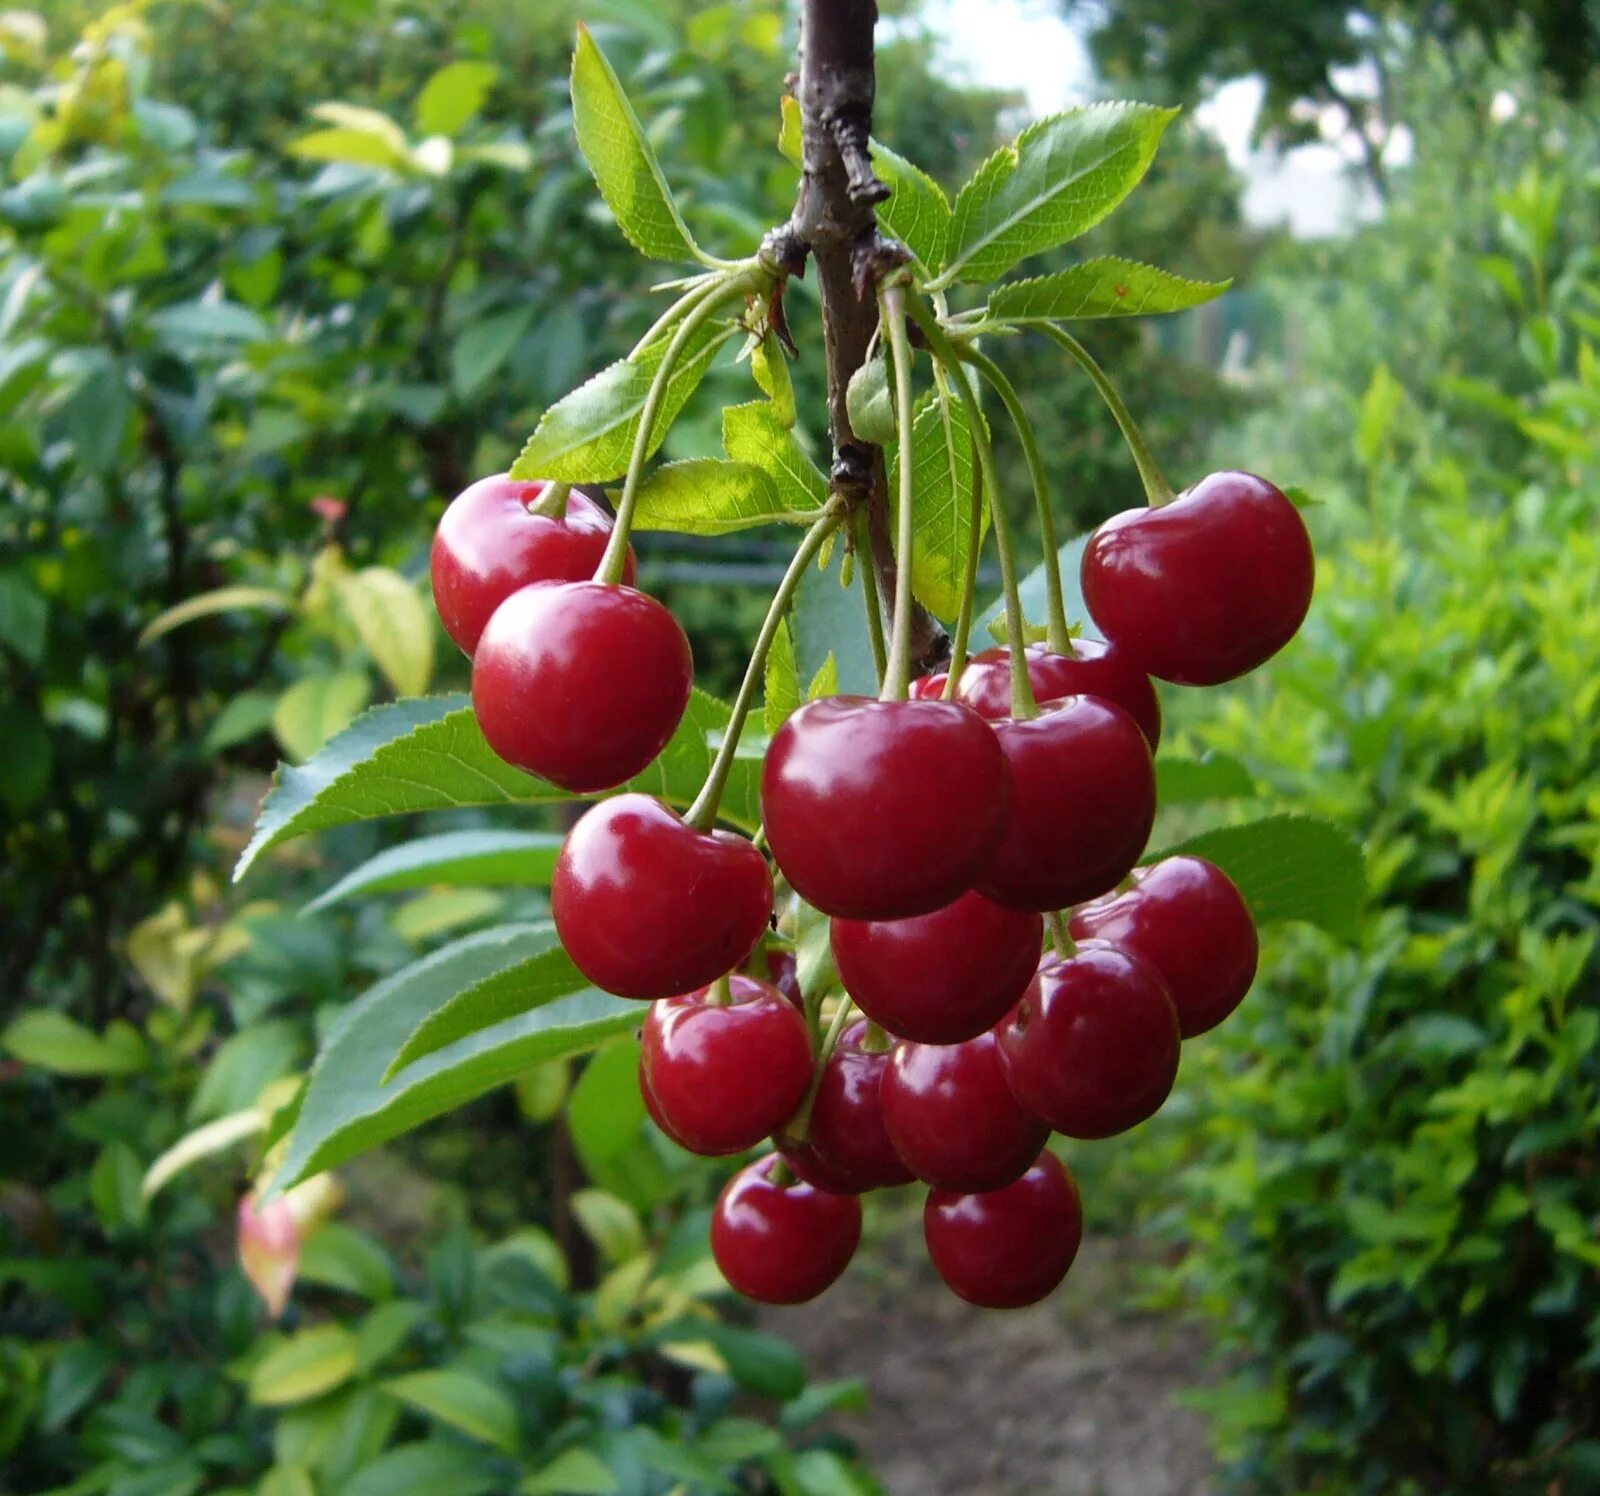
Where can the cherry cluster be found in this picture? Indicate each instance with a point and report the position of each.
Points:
(940, 834)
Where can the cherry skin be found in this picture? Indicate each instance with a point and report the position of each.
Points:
(1095, 669)
(1083, 800)
(1185, 918)
(883, 809)
(724, 1075)
(952, 1117)
(1093, 1046)
(653, 1107)
(781, 1243)
(581, 683)
(490, 544)
(928, 687)
(649, 907)
(939, 978)
(1205, 588)
(847, 1148)
(782, 971)
(1009, 1247)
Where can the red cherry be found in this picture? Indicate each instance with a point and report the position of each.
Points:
(653, 1107)
(1011, 1246)
(1185, 918)
(781, 1243)
(649, 907)
(939, 978)
(783, 972)
(848, 1149)
(1093, 1046)
(928, 687)
(1094, 669)
(1083, 800)
(489, 544)
(883, 809)
(725, 1075)
(581, 683)
(1207, 587)
(952, 1117)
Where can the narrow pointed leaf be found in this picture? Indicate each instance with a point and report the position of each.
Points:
(781, 686)
(917, 212)
(483, 859)
(755, 434)
(1104, 287)
(221, 600)
(705, 496)
(941, 456)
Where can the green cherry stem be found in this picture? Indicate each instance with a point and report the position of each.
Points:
(798, 1127)
(1156, 488)
(897, 673)
(962, 642)
(552, 503)
(702, 287)
(869, 591)
(1023, 705)
(702, 815)
(615, 558)
(1066, 946)
(1059, 636)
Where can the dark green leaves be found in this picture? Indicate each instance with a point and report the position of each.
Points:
(1104, 287)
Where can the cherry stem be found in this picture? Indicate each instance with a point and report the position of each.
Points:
(1023, 705)
(869, 589)
(1066, 946)
(552, 503)
(615, 559)
(702, 287)
(962, 642)
(1156, 488)
(1059, 637)
(897, 672)
(702, 815)
(798, 1127)
(721, 993)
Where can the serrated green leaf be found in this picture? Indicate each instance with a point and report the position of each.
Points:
(826, 681)
(770, 366)
(619, 155)
(990, 628)
(483, 859)
(304, 1366)
(316, 709)
(870, 404)
(781, 685)
(706, 496)
(453, 95)
(791, 131)
(917, 212)
(394, 624)
(477, 1408)
(220, 600)
(1059, 178)
(587, 436)
(754, 434)
(1104, 287)
(941, 469)
(1287, 867)
(349, 1107)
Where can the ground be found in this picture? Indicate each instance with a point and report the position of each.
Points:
(1070, 1398)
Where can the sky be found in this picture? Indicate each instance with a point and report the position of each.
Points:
(1026, 45)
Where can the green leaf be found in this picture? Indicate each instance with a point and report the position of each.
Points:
(316, 708)
(483, 347)
(77, 1371)
(869, 403)
(754, 433)
(441, 1467)
(247, 714)
(395, 625)
(827, 619)
(1059, 178)
(826, 681)
(453, 95)
(990, 627)
(24, 617)
(385, 1330)
(941, 472)
(782, 681)
(1287, 867)
(607, 1120)
(25, 757)
(587, 436)
(484, 859)
(338, 1256)
(351, 148)
(52, 1041)
(619, 155)
(424, 918)
(1105, 287)
(348, 1105)
(611, 1224)
(770, 366)
(791, 127)
(114, 1188)
(706, 496)
(304, 1366)
(917, 212)
(286, 1480)
(428, 754)
(221, 600)
(210, 322)
(1213, 776)
(764, 1364)
(573, 1472)
(478, 1409)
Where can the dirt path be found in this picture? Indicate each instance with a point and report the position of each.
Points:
(1070, 1398)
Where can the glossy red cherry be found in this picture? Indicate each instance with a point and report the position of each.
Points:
(653, 1107)
(939, 978)
(928, 687)
(1185, 918)
(883, 809)
(952, 1117)
(783, 971)
(490, 544)
(649, 907)
(1093, 669)
(781, 1243)
(1207, 587)
(725, 1074)
(1083, 800)
(1011, 1246)
(1093, 1046)
(848, 1148)
(581, 683)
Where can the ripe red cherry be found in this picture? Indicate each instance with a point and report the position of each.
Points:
(883, 809)
(581, 683)
(781, 1243)
(928, 687)
(1207, 587)
(649, 907)
(725, 1075)
(783, 971)
(653, 1107)
(848, 1148)
(952, 1117)
(1094, 669)
(1093, 1046)
(490, 544)
(1185, 918)
(939, 978)
(1009, 1247)
(1083, 800)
